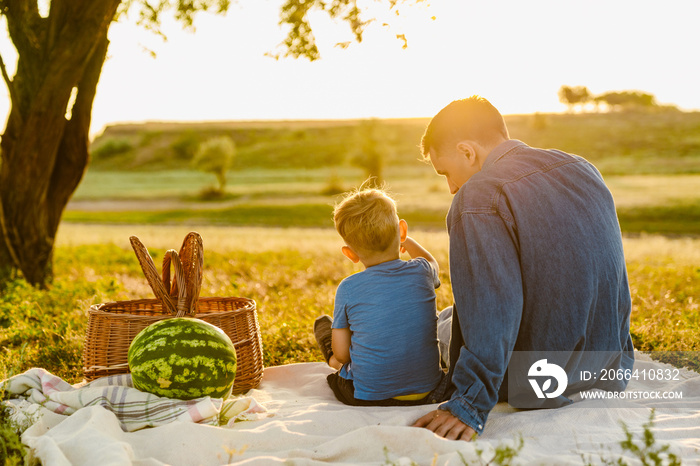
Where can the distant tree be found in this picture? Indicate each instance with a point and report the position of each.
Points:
(627, 100)
(215, 156)
(644, 100)
(372, 149)
(572, 96)
(613, 100)
(61, 47)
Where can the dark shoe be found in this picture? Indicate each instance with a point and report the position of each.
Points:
(322, 332)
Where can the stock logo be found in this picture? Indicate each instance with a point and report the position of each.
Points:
(543, 369)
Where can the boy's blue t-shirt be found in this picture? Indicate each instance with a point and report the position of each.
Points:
(390, 310)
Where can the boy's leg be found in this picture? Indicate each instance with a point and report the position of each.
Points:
(323, 333)
(344, 391)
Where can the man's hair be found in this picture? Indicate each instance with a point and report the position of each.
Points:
(473, 118)
(367, 220)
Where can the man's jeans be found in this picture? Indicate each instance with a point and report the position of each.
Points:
(444, 331)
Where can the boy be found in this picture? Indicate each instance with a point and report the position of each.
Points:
(384, 337)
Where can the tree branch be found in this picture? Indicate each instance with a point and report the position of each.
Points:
(24, 23)
(72, 157)
(7, 79)
(14, 98)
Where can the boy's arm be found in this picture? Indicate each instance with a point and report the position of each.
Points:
(341, 344)
(414, 249)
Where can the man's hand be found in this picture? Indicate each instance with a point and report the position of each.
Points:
(444, 424)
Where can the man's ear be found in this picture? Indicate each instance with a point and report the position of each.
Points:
(403, 230)
(469, 149)
(350, 254)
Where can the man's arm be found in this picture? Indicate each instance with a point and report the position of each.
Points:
(488, 293)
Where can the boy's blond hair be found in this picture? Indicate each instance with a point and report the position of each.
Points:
(367, 220)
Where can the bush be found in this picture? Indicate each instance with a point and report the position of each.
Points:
(211, 193)
(186, 145)
(334, 185)
(111, 147)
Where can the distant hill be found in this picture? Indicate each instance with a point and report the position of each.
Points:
(297, 144)
(618, 143)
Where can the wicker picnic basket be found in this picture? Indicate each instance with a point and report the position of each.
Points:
(112, 326)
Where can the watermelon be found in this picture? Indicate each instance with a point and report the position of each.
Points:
(183, 358)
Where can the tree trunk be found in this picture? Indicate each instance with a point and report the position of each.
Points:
(44, 154)
(221, 176)
(7, 268)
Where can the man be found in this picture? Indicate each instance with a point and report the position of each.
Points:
(536, 263)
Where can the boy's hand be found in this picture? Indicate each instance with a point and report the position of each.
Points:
(446, 425)
(410, 241)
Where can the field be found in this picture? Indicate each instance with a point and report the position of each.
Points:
(270, 237)
(289, 173)
(668, 204)
(292, 274)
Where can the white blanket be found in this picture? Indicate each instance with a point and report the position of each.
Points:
(305, 425)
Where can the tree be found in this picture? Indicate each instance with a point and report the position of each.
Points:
(572, 96)
(215, 156)
(60, 56)
(628, 100)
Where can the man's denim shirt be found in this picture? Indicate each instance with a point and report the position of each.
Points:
(536, 264)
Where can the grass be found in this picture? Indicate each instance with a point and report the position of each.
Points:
(665, 284)
(674, 220)
(185, 184)
(12, 450)
(645, 449)
(302, 215)
(668, 204)
(284, 216)
(292, 275)
(629, 143)
(415, 184)
(679, 219)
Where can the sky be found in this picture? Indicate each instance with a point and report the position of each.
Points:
(516, 53)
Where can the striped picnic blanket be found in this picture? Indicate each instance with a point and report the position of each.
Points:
(133, 408)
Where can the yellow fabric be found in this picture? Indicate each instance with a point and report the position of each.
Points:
(412, 397)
